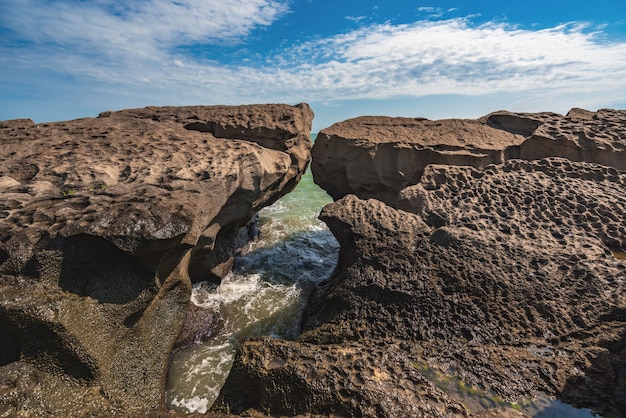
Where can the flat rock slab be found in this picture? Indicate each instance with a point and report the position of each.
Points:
(147, 174)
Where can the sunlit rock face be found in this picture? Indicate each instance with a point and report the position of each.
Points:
(505, 273)
(377, 156)
(105, 224)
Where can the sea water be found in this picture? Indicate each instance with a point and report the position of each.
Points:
(264, 294)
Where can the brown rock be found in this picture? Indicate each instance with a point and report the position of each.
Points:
(377, 156)
(287, 378)
(105, 222)
(503, 275)
(499, 281)
(598, 137)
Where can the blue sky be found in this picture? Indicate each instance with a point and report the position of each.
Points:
(64, 59)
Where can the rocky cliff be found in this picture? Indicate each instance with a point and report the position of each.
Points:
(105, 223)
(473, 273)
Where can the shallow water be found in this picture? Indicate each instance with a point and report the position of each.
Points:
(619, 255)
(541, 406)
(264, 294)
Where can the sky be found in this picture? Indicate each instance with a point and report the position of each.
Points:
(66, 59)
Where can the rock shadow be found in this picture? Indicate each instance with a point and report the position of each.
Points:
(602, 385)
(94, 267)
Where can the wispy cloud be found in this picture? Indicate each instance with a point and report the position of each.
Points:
(355, 18)
(135, 47)
(452, 56)
(434, 12)
(131, 30)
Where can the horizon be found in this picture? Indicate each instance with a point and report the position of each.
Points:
(71, 59)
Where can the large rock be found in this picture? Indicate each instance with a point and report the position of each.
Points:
(286, 378)
(377, 156)
(501, 280)
(582, 135)
(105, 224)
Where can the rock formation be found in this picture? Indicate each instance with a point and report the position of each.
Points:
(377, 156)
(506, 279)
(105, 223)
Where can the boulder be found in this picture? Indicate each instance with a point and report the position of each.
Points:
(105, 222)
(377, 156)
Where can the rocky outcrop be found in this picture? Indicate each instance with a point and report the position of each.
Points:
(494, 282)
(580, 136)
(377, 156)
(105, 224)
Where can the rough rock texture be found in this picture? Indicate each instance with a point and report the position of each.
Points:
(515, 294)
(377, 156)
(598, 137)
(506, 279)
(104, 224)
(288, 378)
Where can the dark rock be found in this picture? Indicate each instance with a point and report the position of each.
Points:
(200, 325)
(288, 378)
(537, 307)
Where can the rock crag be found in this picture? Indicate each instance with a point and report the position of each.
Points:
(105, 223)
(377, 156)
(507, 279)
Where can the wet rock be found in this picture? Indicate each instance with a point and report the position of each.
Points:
(200, 325)
(105, 224)
(351, 379)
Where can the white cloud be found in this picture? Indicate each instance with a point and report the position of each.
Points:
(132, 47)
(453, 56)
(121, 27)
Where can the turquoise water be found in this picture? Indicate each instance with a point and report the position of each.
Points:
(264, 295)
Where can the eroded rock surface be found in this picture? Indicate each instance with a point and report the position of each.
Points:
(106, 222)
(377, 156)
(288, 378)
(508, 278)
(514, 299)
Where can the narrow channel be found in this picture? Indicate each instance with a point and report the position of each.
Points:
(264, 295)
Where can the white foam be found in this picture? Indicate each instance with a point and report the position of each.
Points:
(262, 296)
(232, 288)
(195, 404)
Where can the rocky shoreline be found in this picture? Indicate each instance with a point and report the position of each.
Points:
(106, 222)
(485, 250)
(488, 251)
